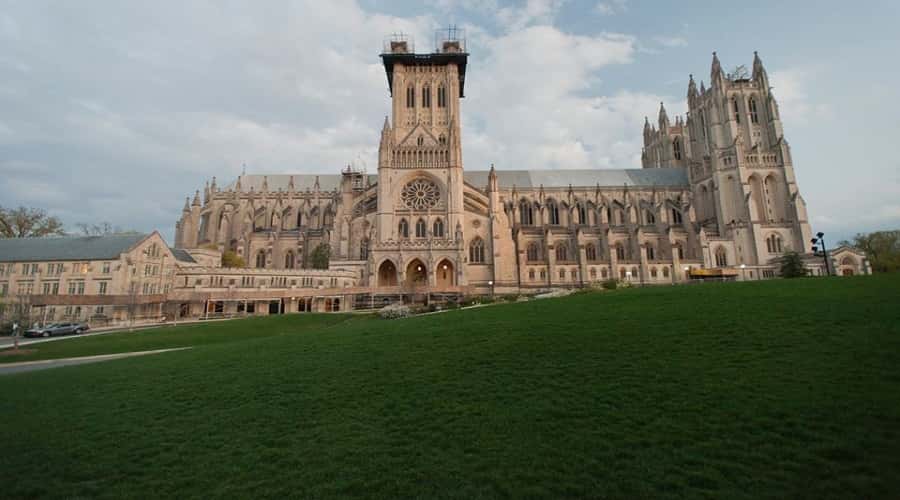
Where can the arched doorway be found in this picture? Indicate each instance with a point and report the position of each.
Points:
(416, 274)
(445, 276)
(387, 274)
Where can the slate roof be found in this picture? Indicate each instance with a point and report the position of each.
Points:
(107, 247)
(638, 177)
(182, 255)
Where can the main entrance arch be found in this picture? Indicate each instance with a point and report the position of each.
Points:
(445, 276)
(416, 273)
(387, 274)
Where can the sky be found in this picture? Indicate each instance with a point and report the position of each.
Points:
(116, 111)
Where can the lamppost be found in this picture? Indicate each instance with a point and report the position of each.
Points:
(817, 241)
(491, 283)
(687, 273)
(743, 275)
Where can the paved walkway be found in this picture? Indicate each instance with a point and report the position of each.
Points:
(28, 366)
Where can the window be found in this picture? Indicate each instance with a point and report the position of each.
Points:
(543, 274)
(442, 96)
(603, 273)
(299, 219)
(403, 229)
(476, 251)
(574, 274)
(4, 289)
(101, 288)
(289, 260)
(562, 252)
(676, 216)
(420, 141)
(531, 274)
(553, 212)
(774, 244)
(665, 272)
(261, 259)
(420, 229)
(562, 274)
(426, 97)
(680, 251)
(533, 253)
(651, 253)
(721, 257)
(676, 148)
(105, 268)
(582, 214)
(649, 217)
(653, 273)
(620, 252)
(438, 228)
(410, 97)
(736, 108)
(526, 215)
(442, 139)
(76, 287)
(590, 252)
(98, 311)
(593, 273)
(754, 116)
(364, 249)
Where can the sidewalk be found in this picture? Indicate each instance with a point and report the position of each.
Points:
(29, 366)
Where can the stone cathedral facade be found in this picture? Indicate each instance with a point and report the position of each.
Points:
(717, 196)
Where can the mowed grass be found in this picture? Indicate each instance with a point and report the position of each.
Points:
(781, 389)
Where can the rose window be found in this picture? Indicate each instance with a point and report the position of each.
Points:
(420, 194)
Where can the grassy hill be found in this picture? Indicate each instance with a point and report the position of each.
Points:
(787, 389)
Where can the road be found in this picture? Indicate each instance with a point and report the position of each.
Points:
(29, 366)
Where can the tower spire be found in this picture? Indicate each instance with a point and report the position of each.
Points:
(663, 117)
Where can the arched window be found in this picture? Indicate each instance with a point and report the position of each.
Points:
(476, 251)
(442, 96)
(590, 251)
(261, 259)
(609, 219)
(593, 273)
(676, 148)
(533, 253)
(410, 97)
(420, 229)
(603, 273)
(665, 272)
(553, 212)
(737, 109)
(531, 274)
(754, 115)
(651, 253)
(774, 244)
(420, 141)
(649, 217)
(426, 96)
(526, 215)
(676, 216)
(582, 214)
(562, 274)
(364, 249)
(442, 139)
(653, 272)
(562, 252)
(620, 252)
(721, 257)
(289, 260)
(438, 229)
(299, 219)
(403, 229)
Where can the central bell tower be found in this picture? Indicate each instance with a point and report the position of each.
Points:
(420, 155)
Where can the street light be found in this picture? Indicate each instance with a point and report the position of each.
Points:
(817, 241)
(491, 283)
(743, 275)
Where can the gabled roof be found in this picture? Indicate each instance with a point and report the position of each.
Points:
(106, 247)
(616, 178)
(182, 255)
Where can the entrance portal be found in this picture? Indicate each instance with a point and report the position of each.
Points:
(445, 275)
(416, 274)
(387, 274)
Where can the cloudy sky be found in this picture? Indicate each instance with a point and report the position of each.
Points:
(115, 111)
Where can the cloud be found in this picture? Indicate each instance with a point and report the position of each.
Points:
(610, 8)
(671, 41)
(125, 110)
(791, 87)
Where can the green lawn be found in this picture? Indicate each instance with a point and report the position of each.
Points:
(780, 389)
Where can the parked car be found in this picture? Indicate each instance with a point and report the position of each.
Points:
(57, 329)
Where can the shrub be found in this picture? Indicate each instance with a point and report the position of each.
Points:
(231, 259)
(510, 298)
(792, 266)
(395, 311)
(610, 284)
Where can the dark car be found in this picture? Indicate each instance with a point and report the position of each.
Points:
(57, 329)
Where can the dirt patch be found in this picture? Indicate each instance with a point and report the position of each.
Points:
(17, 352)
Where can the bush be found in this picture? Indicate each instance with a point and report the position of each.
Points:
(510, 298)
(231, 259)
(610, 284)
(792, 266)
(395, 311)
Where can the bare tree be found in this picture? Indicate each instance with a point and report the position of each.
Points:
(26, 222)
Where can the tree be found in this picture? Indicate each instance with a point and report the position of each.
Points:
(25, 222)
(882, 248)
(320, 256)
(232, 259)
(792, 266)
(101, 229)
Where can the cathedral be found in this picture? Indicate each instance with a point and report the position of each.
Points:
(717, 197)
